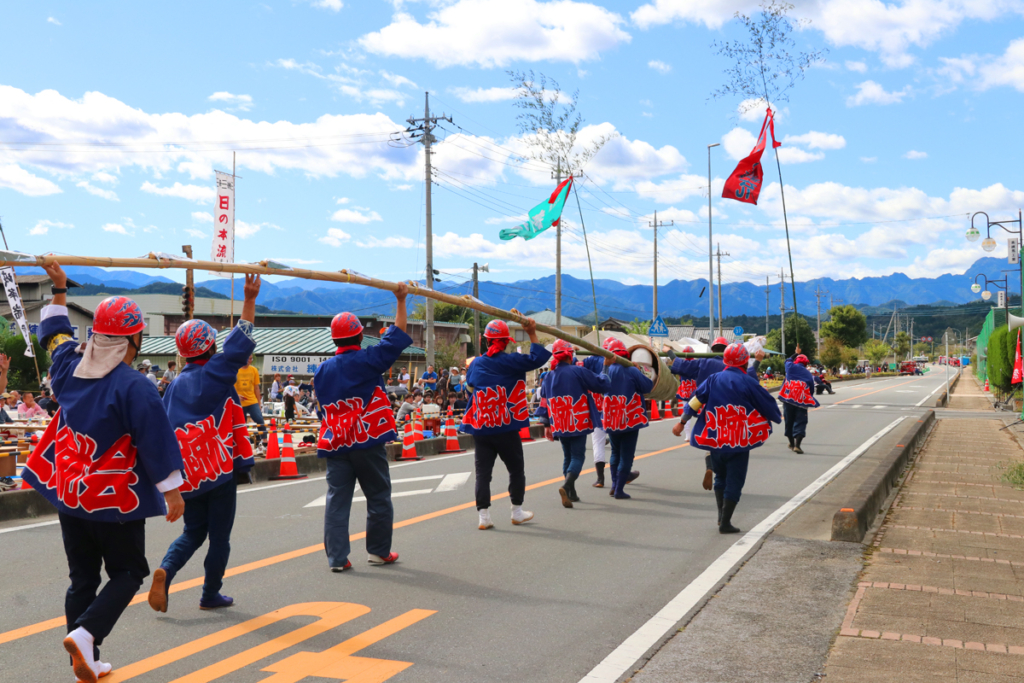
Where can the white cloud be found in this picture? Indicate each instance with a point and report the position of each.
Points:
(245, 230)
(98, 191)
(914, 154)
(335, 237)
(889, 28)
(202, 216)
(988, 71)
(397, 81)
(14, 177)
(196, 233)
(233, 102)
(859, 67)
(299, 261)
(43, 227)
(739, 142)
(501, 220)
(870, 92)
(477, 95)
(677, 190)
(104, 177)
(356, 215)
(350, 81)
(659, 66)
(201, 194)
(496, 33)
(869, 160)
(391, 242)
(116, 228)
(51, 20)
(57, 121)
(816, 140)
(344, 200)
(333, 5)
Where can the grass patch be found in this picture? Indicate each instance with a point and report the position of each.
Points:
(1014, 475)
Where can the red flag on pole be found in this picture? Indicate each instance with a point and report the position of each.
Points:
(744, 185)
(1018, 364)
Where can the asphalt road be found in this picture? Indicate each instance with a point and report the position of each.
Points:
(546, 601)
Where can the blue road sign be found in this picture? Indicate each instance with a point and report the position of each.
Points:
(737, 331)
(658, 328)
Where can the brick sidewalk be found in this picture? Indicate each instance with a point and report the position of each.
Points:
(968, 394)
(942, 595)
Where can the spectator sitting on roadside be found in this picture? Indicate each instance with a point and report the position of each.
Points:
(461, 403)
(11, 401)
(409, 406)
(275, 388)
(30, 408)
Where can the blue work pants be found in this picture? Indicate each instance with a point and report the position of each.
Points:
(623, 451)
(796, 420)
(368, 467)
(730, 472)
(209, 514)
(574, 453)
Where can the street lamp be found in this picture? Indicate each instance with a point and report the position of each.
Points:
(973, 234)
(989, 244)
(975, 288)
(986, 294)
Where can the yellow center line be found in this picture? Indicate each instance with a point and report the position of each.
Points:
(49, 624)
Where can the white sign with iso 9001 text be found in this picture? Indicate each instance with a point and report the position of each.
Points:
(294, 365)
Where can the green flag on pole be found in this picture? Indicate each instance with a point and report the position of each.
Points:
(542, 216)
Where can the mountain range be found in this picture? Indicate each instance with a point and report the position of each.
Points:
(678, 298)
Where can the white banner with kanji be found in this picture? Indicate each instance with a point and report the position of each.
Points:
(17, 310)
(223, 250)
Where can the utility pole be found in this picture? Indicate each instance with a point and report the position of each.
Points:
(656, 225)
(719, 255)
(426, 125)
(767, 303)
(558, 257)
(782, 308)
(476, 295)
(711, 267)
(818, 293)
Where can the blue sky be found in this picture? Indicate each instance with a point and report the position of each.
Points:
(113, 117)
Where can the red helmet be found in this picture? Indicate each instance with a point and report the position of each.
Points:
(497, 329)
(719, 344)
(118, 316)
(615, 346)
(801, 359)
(736, 355)
(561, 347)
(687, 349)
(345, 325)
(194, 338)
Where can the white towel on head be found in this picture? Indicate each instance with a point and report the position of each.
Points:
(100, 355)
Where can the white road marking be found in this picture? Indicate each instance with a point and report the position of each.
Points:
(856, 406)
(29, 526)
(878, 407)
(904, 391)
(452, 482)
(624, 658)
(942, 385)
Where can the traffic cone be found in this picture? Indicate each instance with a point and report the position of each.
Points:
(524, 434)
(451, 410)
(655, 413)
(273, 450)
(451, 444)
(288, 469)
(986, 384)
(409, 445)
(418, 425)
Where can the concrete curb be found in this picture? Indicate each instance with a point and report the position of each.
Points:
(852, 522)
(942, 401)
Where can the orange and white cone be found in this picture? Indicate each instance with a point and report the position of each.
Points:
(524, 435)
(273, 449)
(655, 413)
(451, 444)
(288, 468)
(986, 384)
(409, 445)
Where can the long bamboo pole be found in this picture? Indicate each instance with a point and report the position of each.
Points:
(267, 267)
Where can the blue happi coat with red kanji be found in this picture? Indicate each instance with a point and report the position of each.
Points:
(109, 444)
(692, 372)
(568, 404)
(798, 389)
(596, 365)
(356, 411)
(735, 415)
(206, 414)
(499, 401)
(624, 407)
